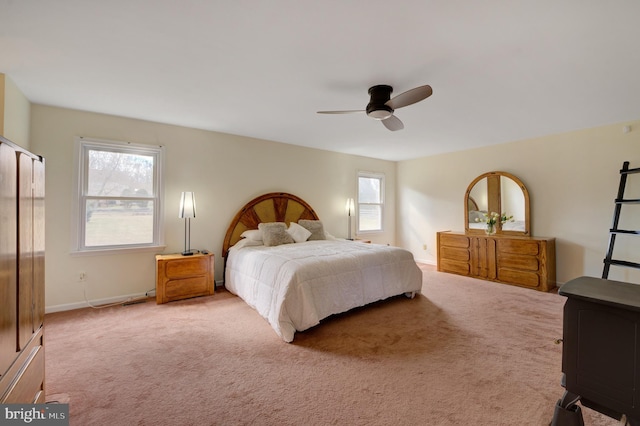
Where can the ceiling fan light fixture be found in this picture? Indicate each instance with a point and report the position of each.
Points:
(381, 112)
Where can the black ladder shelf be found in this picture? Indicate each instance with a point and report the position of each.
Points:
(619, 202)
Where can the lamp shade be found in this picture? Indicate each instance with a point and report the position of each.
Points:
(350, 207)
(187, 205)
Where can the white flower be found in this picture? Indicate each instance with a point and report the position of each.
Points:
(493, 218)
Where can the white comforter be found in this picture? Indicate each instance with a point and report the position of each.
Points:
(294, 286)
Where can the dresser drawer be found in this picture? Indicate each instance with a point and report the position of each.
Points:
(529, 248)
(514, 261)
(518, 277)
(447, 265)
(454, 253)
(449, 240)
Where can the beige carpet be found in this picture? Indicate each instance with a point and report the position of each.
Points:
(466, 352)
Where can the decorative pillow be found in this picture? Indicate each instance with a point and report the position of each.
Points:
(298, 233)
(252, 234)
(316, 228)
(275, 234)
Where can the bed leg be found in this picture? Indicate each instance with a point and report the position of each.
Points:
(410, 295)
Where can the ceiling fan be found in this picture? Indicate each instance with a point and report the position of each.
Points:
(381, 106)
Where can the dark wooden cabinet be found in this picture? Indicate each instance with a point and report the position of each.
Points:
(601, 345)
(21, 275)
(522, 261)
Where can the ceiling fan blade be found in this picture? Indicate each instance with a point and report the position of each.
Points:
(410, 97)
(341, 112)
(393, 123)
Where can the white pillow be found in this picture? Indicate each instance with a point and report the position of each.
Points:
(252, 234)
(298, 233)
(245, 242)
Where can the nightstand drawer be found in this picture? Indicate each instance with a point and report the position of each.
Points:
(186, 287)
(186, 267)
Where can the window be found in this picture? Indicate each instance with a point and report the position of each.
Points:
(370, 201)
(118, 204)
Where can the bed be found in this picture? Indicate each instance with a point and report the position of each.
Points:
(296, 284)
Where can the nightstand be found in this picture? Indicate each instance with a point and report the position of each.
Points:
(181, 277)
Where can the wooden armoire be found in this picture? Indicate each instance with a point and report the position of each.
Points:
(21, 275)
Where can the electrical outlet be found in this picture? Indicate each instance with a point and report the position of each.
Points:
(424, 247)
(82, 276)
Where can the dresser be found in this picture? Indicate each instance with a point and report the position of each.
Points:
(516, 260)
(181, 277)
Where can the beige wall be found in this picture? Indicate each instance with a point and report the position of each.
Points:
(572, 180)
(225, 172)
(15, 112)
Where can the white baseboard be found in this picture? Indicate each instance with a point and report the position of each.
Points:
(106, 301)
(426, 261)
(96, 302)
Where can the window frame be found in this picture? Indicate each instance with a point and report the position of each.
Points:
(81, 153)
(381, 178)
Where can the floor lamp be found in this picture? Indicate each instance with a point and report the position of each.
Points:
(350, 209)
(187, 211)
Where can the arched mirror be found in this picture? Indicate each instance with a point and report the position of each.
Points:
(499, 192)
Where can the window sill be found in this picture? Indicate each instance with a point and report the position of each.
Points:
(369, 232)
(121, 250)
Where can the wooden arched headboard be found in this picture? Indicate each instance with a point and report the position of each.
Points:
(271, 207)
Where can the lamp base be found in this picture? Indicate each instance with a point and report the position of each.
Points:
(190, 252)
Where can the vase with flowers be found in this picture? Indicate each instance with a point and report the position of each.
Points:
(491, 221)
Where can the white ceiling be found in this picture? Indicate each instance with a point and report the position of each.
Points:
(501, 70)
